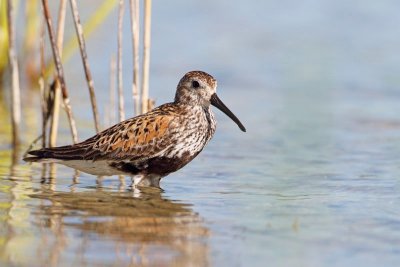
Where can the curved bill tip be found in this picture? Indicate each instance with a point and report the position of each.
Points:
(216, 102)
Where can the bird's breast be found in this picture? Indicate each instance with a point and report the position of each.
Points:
(195, 131)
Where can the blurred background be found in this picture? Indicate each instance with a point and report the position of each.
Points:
(315, 180)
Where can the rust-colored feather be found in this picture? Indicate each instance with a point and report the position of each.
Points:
(139, 137)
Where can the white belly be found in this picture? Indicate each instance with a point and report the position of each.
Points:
(101, 167)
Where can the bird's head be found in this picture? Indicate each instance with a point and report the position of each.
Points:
(199, 88)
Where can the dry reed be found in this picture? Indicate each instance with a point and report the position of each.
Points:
(55, 112)
(60, 71)
(121, 111)
(45, 111)
(15, 93)
(134, 10)
(110, 112)
(146, 55)
(88, 74)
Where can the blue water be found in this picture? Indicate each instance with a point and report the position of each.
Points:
(313, 182)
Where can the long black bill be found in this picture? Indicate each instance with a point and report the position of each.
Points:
(216, 102)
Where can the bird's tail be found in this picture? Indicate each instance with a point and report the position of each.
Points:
(41, 160)
(54, 154)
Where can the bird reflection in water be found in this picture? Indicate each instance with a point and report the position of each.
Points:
(139, 228)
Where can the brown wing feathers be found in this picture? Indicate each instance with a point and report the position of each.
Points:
(131, 139)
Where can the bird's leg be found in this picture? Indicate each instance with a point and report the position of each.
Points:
(99, 181)
(146, 180)
(122, 184)
(136, 180)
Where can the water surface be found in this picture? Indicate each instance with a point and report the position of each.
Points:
(313, 182)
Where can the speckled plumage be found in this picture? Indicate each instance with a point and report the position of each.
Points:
(150, 146)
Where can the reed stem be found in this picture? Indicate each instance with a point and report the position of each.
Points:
(60, 71)
(120, 87)
(15, 93)
(146, 55)
(134, 10)
(111, 105)
(45, 111)
(88, 74)
(55, 116)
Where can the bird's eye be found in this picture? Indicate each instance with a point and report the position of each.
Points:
(195, 84)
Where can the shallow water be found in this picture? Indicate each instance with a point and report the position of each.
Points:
(313, 182)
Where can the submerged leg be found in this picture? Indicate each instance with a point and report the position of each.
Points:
(148, 180)
(135, 179)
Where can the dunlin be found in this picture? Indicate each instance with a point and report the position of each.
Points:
(153, 145)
